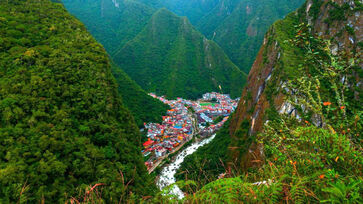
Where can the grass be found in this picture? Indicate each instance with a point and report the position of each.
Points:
(208, 104)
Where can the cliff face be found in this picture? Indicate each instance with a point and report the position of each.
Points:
(276, 64)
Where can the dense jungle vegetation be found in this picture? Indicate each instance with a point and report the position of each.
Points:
(63, 125)
(315, 154)
(303, 163)
(171, 58)
(70, 116)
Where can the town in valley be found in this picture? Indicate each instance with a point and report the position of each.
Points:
(185, 119)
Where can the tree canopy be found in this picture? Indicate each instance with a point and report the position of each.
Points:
(63, 125)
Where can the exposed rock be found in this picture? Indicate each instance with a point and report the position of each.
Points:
(268, 70)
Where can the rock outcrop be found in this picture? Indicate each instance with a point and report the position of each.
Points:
(276, 64)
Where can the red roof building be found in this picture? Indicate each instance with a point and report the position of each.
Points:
(148, 143)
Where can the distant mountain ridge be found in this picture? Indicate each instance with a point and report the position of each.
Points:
(112, 22)
(153, 74)
(240, 34)
(170, 57)
(238, 26)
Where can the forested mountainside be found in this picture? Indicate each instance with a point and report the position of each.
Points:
(282, 61)
(204, 58)
(193, 9)
(240, 31)
(111, 22)
(143, 107)
(238, 26)
(170, 57)
(63, 126)
(296, 135)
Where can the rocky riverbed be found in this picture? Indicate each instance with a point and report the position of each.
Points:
(167, 175)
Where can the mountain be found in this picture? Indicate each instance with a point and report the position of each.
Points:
(63, 126)
(216, 16)
(193, 9)
(296, 134)
(280, 61)
(240, 33)
(112, 22)
(170, 57)
(238, 26)
(143, 107)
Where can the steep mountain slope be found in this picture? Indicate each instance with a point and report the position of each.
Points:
(143, 107)
(238, 26)
(113, 23)
(193, 9)
(170, 57)
(279, 61)
(63, 125)
(299, 119)
(241, 26)
(215, 17)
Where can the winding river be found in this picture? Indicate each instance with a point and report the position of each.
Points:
(167, 178)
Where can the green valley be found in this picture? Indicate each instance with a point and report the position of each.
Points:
(170, 57)
(296, 134)
(113, 24)
(237, 26)
(149, 101)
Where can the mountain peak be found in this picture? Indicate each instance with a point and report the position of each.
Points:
(171, 58)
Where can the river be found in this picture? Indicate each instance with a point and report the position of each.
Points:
(167, 175)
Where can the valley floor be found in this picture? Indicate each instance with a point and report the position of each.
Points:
(183, 122)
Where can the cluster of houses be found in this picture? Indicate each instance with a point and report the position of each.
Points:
(177, 126)
(207, 110)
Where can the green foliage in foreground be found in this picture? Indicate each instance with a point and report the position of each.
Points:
(316, 158)
(63, 126)
(303, 165)
(306, 163)
(171, 58)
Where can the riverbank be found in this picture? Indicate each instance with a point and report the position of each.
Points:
(186, 120)
(170, 156)
(167, 175)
